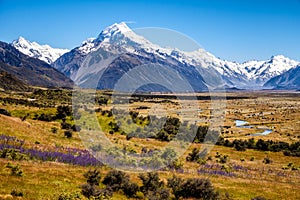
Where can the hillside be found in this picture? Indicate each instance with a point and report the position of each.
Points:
(289, 80)
(32, 71)
(11, 83)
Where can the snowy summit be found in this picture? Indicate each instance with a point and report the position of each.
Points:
(35, 50)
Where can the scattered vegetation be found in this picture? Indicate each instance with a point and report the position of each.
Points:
(292, 149)
(34, 128)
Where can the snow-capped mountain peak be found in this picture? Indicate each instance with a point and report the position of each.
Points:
(251, 74)
(120, 34)
(114, 29)
(35, 50)
(273, 67)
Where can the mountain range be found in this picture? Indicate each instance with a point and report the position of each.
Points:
(28, 70)
(35, 50)
(198, 67)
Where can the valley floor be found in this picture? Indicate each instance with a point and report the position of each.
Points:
(36, 126)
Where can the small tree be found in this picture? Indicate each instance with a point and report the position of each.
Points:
(151, 182)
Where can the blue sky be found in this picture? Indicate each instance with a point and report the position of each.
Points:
(236, 30)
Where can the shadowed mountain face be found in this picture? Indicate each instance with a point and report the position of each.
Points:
(29, 70)
(289, 80)
(11, 83)
(153, 73)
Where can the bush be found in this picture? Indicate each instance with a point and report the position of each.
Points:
(76, 128)
(222, 158)
(91, 192)
(193, 156)
(15, 169)
(65, 125)
(92, 177)
(267, 160)
(151, 182)
(130, 189)
(4, 112)
(161, 193)
(45, 117)
(201, 134)
(54, 129)
(13, 154)
(63, 112)
(192, 188)
(169, 130)
(68, 134)
(116, 180)
(88, 190)
(239, 145)
(16, 193)
(175, 164)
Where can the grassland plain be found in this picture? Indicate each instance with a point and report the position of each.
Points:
(244, 175)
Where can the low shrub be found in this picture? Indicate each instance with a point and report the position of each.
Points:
(68, 133)
(4, 112)
(16, 193)
(54, 129)
(192, 188)
(15, 169)
(130, 189)
(267, 160)
(116, 180)
(151, 182)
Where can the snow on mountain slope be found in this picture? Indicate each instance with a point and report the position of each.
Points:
(264, 70)
(35, 50)
(251, 74)
(289, 80)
